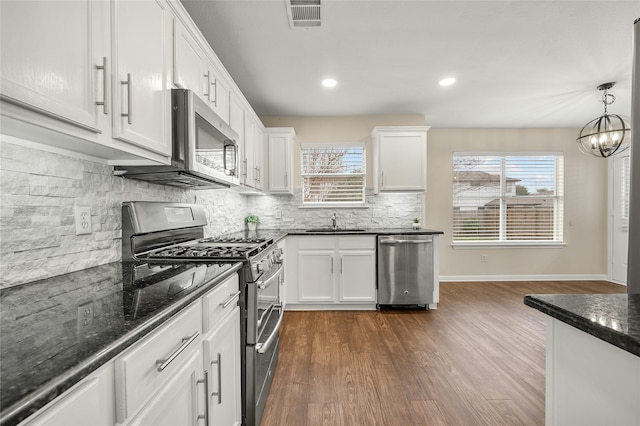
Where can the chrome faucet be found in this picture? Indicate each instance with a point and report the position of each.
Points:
(334, 221)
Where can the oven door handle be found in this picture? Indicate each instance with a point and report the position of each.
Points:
(264, 347)
(264, 284)
(264, 315)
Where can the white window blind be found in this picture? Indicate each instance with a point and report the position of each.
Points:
(333, 175)
(498, 198)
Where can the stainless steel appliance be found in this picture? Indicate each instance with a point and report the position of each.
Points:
(405, 270)
(204, 150)
(156, 233)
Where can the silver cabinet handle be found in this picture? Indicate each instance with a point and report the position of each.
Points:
(103, 103)
(231, 298)
(332, 264)
(161, 364)
(127, 83)
(381, 178)
(215, 92)
(285, 178)
(205, 416)
(208, 94)
(264, 347)
(393, 242)
(340, 266)
(219, 393)
(244, 162)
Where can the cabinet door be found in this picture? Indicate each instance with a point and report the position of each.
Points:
(188, 65)
(248, 168)
(90, 402)
(402, 160)
(177, 403)
(258, 158)
(236, 122)
(141, 42)
(218, 94)
(222, 361)
(357, 276)
(316, 275)
(280, 158)
(48, 58)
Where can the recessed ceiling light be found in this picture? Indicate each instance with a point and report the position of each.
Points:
(329, 82)
(447, 81)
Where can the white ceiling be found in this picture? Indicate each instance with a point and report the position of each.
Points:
(518, 63)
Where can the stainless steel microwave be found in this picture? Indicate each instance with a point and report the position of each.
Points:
(204, 149)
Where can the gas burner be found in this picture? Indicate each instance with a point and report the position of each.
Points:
(233, 240)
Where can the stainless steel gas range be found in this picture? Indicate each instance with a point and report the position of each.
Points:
(157, 234)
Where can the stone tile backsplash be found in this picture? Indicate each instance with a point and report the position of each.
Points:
(382, 211)
(39, 191)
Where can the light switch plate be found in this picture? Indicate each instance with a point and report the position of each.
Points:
(83, 220)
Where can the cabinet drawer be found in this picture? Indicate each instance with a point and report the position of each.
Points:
(360, 242)
(316, 242)
(137, 374)
(219, 302)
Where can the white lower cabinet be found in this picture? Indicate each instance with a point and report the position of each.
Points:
(336, 271)
(144, 371)
(90, 402)
(222, 361)
(222, 353)
(179, 401)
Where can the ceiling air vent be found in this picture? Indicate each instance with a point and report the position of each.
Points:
(304, 13)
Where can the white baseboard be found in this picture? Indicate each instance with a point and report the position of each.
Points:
(563, 277)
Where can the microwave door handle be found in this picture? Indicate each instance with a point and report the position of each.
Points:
(264, 347)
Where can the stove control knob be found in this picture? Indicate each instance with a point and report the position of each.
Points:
(260, 267)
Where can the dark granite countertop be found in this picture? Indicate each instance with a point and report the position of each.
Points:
(48, 344)
(278, 234)
(613, 318)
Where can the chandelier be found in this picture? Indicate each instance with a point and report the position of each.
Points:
(606, 135)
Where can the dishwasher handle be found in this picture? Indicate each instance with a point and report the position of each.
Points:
(394, 242)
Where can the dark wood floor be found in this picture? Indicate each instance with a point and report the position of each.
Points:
(479, 359)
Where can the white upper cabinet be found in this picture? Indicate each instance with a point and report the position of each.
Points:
(217, 92)
(400, 158)
(236, 122)
(188, 63)
(252, 167)
(141, 51)
(53, 57)
(280, 156)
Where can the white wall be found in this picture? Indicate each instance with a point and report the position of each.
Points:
(584, 255)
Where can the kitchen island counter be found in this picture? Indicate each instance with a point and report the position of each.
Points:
(56, 331)
(592, 358)
(613, 318)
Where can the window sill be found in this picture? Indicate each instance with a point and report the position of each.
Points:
(508, 244)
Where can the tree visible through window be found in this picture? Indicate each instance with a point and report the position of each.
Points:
(507, 197)
(333, 175)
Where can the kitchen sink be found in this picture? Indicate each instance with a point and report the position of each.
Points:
(334, 231)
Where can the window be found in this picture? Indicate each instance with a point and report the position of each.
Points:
(626, 187)
(333, 175)
(507, 198)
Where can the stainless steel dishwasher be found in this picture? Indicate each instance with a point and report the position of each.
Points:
(405, 270)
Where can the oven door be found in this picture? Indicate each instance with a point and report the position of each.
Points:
(263, 302)
(262, 359)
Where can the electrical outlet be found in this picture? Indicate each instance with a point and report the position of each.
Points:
(83, 220)
(483, 258)
(377, 213)
(278, 214)
(85, 315)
